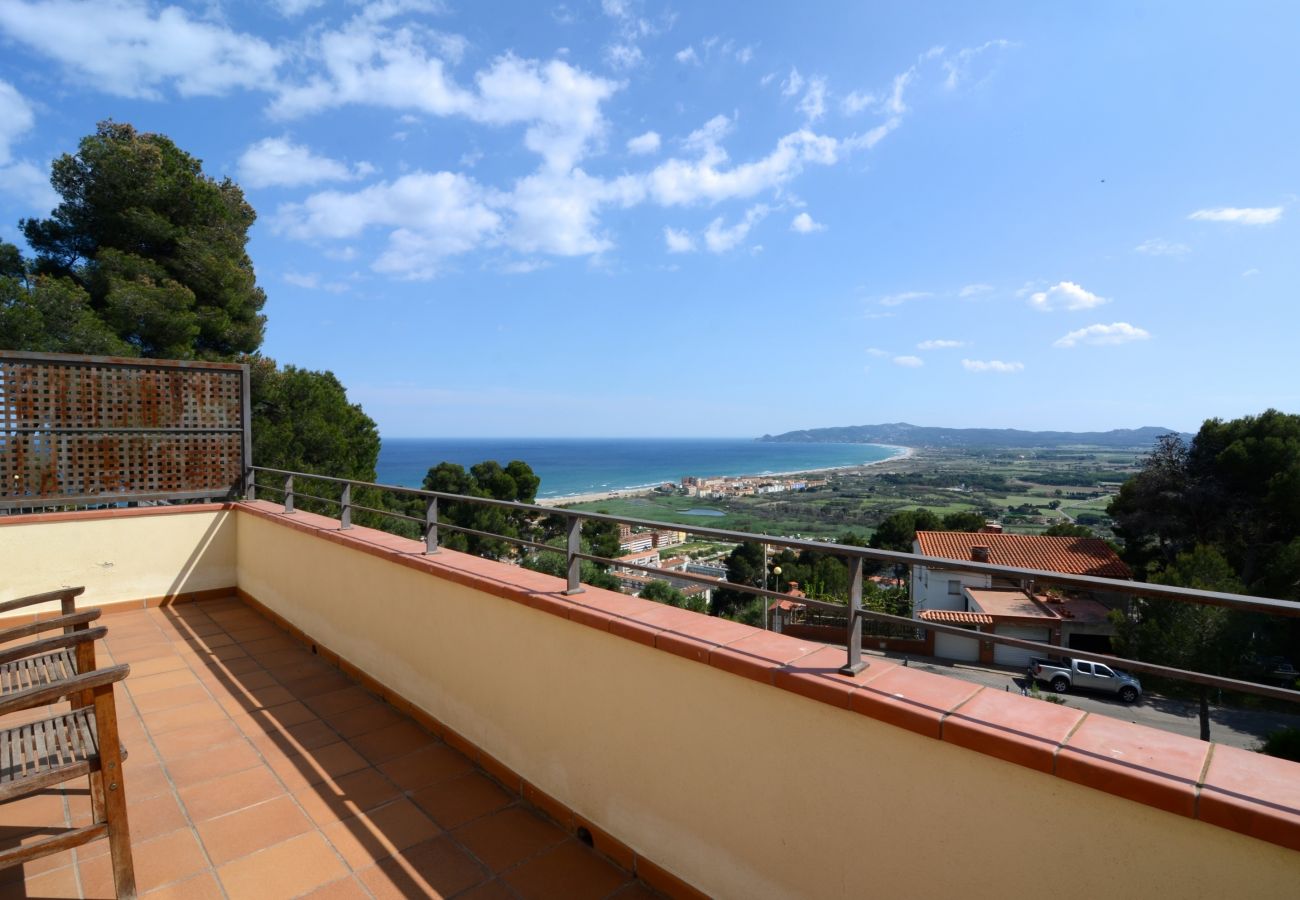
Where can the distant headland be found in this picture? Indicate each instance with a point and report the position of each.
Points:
(903, 434)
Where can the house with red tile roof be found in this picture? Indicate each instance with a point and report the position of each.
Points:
(988, 603)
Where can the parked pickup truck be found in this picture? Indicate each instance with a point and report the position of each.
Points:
(1066, 674)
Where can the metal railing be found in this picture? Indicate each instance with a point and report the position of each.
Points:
(855, 557)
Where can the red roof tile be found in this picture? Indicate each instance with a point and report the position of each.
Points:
(1068, 555)
(956, 617)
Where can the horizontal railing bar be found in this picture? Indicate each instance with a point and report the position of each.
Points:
(498, 537)
(192, 430)
(1090, 582)
(66, 359)
(18, 501)
(299, 495)
(665, 574)
(388, 512)
(1115, 662)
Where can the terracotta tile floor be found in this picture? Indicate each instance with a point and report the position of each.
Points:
(258, 771)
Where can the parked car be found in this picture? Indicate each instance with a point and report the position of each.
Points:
(1067, 674)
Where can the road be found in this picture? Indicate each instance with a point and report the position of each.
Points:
(1235, 727)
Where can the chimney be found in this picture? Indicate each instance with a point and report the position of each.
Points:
(991, 528)
(794, 586)
(979, 553)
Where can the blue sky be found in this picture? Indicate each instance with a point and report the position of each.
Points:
(639, 218)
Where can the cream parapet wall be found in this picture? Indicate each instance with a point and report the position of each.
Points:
(120, 555)
(741, 789)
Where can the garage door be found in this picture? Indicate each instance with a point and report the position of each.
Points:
(1014, 656)
(949, 646)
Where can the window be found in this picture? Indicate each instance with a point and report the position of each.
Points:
(954, 589)
(1102, 672)
(1084, 668)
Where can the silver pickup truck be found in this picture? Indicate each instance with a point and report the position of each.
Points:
(1066, 674)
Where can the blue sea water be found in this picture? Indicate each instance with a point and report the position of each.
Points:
(569, 466)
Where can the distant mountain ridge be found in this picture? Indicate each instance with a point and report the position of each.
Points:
(906, 435)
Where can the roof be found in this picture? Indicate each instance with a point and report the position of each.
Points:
(955, 617)
(1067, 555)
(1009, 604)
(1083, 610)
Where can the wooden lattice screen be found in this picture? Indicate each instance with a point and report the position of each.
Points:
(78, 430)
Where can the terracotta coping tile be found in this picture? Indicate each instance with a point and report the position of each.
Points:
(910, 699)
(1152, 767)
(817, 676)
(1254, 794)
(759, 654)
(1022, 730)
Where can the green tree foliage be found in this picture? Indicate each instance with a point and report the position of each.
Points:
(488, 479)
(48, 314)
(303, 422)
(157, 247)
(1069, 529)
(898, 531)
(663, 592)
(1209, 639)
(744, 566)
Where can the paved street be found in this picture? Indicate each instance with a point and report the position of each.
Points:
(1234, 727)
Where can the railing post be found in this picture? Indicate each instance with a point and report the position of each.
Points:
(855, 663)
(250, 484)
(345, 508)
(288, 493)
(573, 549)
(431, 526)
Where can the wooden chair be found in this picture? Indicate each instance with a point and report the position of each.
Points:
(35, 755)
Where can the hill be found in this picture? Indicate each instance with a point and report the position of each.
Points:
(907, 435)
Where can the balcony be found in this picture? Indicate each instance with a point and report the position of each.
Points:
(328, 711)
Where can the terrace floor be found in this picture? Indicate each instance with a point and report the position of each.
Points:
(257, 770)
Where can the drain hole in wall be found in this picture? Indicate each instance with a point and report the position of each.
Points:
(585, 836)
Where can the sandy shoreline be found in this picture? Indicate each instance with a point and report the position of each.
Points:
(902, 454)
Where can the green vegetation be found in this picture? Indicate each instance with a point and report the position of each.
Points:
(145, 257)
(1283, 743)
(1028, 490)
(1221, 512)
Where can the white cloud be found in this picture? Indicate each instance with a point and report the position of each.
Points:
(719, 238)
(123, 47)
(1250, 273)
(909, 362)
(644, 143)
(678, 241)
(793, 84)
(432, 216)
(557, 212)
(687, 56)
(974, 290)
(679, 182)
(312, 282)
(1065, 295)
(959, 65)
(280, 162)
(855, 102)
(813, 104)
(623, 56)
(804, 224)
(30, 184)
(16, 119)
(292, 8)
(1115, 333)
(743, 54)
(894, 104)
(992, 365)
(905, 296)
(1161, 247)
(878, 353)
(1241, 216)
(372, 64)
(939, 344)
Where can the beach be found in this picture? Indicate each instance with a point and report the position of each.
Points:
(904, 454)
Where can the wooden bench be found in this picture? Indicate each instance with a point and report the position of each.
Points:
(80, 741)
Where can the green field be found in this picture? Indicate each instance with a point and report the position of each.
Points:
(1017, 487)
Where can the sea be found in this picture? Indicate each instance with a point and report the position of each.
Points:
(571, 466)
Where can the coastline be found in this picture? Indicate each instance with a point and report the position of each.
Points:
(904, 453)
